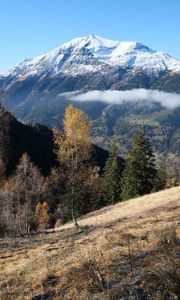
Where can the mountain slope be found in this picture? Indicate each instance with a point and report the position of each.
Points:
(88, 63)
(125, 251)
(36, 90)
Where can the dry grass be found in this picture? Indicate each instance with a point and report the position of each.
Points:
(118, 251)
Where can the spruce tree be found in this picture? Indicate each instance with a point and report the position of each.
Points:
(111, 181)
(140, 169)
(160, 178)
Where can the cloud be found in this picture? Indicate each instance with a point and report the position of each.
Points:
(168, 100)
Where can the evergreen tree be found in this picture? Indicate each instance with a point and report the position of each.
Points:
(140, 169)
(111, 181)
(160, 178)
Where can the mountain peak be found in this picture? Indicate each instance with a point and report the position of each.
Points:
(93, 41)
(92, 53)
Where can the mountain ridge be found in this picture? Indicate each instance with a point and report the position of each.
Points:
(126, 54)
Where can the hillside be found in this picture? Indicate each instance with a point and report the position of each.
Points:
(18, 138)
(36, 140)
(126, 251)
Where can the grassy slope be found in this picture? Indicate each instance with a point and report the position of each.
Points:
(130, 247)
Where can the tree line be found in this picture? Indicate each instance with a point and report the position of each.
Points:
(31, 201)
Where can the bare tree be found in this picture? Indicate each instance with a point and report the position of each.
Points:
(20, 196)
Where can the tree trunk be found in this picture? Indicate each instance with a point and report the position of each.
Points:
(73, 209)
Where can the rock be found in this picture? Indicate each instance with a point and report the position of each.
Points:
(137, 293)
(47, 296)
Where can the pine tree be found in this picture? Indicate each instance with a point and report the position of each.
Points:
(160, 178)
(140, 169)
(111, 179)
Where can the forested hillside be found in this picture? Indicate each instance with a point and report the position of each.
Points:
(32, 174)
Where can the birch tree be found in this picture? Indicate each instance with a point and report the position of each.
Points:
(74, 149)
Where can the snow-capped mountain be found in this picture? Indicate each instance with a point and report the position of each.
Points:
(95, 54)
(36, 90)
(91, 71)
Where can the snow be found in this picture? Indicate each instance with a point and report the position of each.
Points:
(93, 53)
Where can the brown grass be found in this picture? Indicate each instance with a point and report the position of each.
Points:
(117, 251)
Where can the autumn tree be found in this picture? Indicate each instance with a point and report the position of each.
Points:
(21, 194)
(74, 150)
(42, 215)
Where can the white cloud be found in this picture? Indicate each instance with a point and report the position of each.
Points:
(169, 100)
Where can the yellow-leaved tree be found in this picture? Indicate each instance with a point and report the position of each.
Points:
(42, 215)
(74, 148)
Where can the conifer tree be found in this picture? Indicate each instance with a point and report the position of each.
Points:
(140, 169)
(111, 179)
(160, 178)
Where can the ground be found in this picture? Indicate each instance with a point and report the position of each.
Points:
(127, 251)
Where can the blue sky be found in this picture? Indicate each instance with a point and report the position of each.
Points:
(33, 27)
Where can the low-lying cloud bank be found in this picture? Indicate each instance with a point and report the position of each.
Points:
(168, 100)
